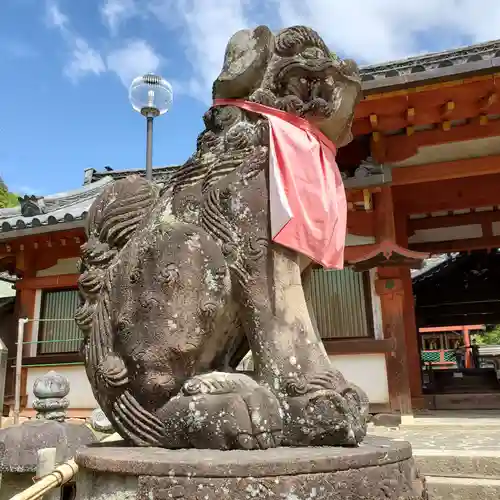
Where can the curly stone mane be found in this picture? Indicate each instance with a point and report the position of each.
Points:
(113, 218)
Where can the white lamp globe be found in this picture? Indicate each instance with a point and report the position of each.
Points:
(151, 95)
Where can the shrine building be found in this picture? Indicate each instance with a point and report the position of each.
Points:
(422, 177)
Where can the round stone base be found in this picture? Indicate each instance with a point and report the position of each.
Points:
(378, 469)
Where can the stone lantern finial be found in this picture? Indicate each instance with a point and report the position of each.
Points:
(50, 391)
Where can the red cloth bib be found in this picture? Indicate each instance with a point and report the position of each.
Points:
(307, 197)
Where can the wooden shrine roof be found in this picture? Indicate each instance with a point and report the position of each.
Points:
(461, 289)
(450, 64)
(160, 174)
(7, 305)
(428, 265)
(7, 277)
(42, 212)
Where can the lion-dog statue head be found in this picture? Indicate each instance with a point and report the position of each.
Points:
(294, 71)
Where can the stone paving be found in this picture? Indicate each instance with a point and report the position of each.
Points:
(449, 430)
(445, 438)
(458, 452)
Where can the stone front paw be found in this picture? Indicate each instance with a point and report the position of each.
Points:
(223, 411)
(324, 410)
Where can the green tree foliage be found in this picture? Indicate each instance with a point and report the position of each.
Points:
(491, 336)
(7, 199)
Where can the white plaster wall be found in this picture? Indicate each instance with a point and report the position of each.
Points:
(450, 151)
(63, 266)
(378, 327)
(7, 289)
(80, 394)
(367, 371)
(496, 228)
(32, 349)
(353, 240)
(465, 232)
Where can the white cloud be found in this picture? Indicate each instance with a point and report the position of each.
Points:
(55, 17)
(135, 58)
(84, 60)
(389, 29)
(116, 12)
(207, 26)
(132, 58)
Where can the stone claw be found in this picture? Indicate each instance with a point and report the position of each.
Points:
(324, 410)
(223, 411)
(135, 423)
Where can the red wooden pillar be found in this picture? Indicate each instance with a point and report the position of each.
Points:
(411, 331)
(392, 298)
(392, 290)
(467, 343)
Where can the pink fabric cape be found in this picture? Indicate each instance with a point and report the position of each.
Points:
(307, 197)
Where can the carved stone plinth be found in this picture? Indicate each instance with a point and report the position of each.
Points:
(378, 469)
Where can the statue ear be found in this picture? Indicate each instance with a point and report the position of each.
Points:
(247, 55)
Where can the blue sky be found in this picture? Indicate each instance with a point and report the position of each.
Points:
(67, 66)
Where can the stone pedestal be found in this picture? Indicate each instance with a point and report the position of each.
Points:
(13, 483)
(378, 469)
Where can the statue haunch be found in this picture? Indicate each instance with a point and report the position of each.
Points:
(180, 282)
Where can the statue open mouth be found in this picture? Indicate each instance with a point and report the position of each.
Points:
(312, 89)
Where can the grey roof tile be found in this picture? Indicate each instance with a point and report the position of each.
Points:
(160, 174)
(5, 276)
(455, 62)
(51, 210)
(434, 265)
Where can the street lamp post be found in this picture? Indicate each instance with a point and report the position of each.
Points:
(151, 95)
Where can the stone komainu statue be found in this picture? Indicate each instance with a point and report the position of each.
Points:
(179, 282)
